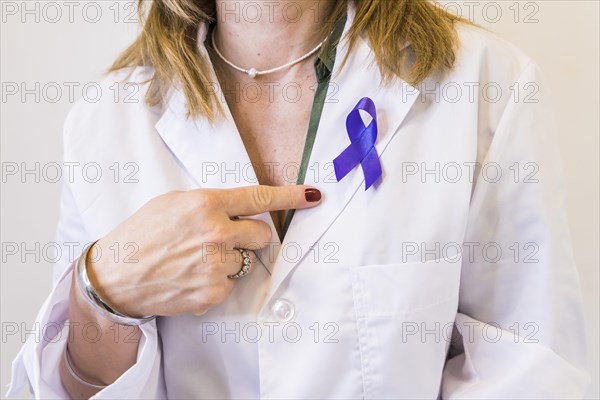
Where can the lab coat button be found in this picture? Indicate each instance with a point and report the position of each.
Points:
(283, 310)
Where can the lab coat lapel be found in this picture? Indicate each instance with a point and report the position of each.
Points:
(359, 78)
(213, 154)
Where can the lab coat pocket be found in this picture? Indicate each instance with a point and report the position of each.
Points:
(398, 288)
(404, 318)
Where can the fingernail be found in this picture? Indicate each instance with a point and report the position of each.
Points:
(312, 195)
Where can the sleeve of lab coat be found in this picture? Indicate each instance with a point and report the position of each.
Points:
(519, 332)
(37, 363)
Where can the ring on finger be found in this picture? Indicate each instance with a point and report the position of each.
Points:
(246, 263)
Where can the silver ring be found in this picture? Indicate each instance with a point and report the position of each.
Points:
(246, 263)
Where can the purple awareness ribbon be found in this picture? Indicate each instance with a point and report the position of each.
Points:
(362, 145)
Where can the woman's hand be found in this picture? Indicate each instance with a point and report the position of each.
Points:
(185, 247)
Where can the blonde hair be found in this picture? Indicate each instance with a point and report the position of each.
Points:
(168, 43)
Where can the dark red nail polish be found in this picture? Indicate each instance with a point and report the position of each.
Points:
(312, 195)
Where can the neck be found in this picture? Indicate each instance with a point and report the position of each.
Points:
(267, 34)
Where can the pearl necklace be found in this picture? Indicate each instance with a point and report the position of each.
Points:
(252, 72)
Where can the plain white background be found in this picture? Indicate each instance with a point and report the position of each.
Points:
(57, 45)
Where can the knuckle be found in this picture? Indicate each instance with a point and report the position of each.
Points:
(220, 235)
(267, 233)
(262, 196)
(205, 199)
(291, 198)
(200, 311)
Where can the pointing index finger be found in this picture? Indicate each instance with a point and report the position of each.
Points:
(253, 200)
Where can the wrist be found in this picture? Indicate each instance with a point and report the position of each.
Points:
(87, 283)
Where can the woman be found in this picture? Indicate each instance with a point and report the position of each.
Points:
(334, 199)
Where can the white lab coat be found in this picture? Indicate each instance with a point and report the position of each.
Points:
(361, 298)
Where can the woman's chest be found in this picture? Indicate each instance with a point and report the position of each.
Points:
(274, 133)
(272, 122)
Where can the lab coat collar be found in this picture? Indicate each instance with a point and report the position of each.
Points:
(215, 157)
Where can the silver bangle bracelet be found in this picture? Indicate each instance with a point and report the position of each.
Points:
(75, 375)
(83, 281)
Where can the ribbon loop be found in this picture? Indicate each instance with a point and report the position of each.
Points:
(362, 145)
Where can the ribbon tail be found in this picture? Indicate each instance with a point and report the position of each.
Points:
(371, 167)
